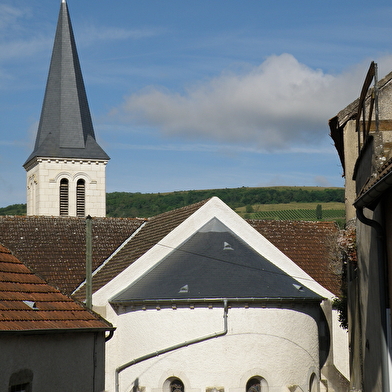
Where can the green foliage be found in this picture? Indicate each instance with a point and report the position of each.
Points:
(299, 214)
(340, 303)
(249, 209)
(319, 212)
(123, 204)
(14, 209)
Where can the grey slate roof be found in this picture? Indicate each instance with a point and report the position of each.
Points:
(65, 129)
(214, 263)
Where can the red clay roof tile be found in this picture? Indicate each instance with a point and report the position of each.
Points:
(28, 303)
(55, 247)
(308, 244)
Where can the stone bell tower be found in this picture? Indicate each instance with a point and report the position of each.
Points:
(66, 170)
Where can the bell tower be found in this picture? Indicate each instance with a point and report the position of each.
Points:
(66, 170)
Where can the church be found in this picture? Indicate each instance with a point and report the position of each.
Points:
(200, 299)
(66, 170)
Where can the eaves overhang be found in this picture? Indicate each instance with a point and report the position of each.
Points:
(56, 331)
(31, 162)
(375, 188)
(200, 301)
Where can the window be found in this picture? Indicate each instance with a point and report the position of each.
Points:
(257, 384)
(21, 381)
(64, 190)
(313, 383)
(176, 385)
(173, 384)
(20, 388)
(80, 198)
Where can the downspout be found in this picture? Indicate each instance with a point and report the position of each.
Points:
(172, 348)
(111, 333)
(384, 307)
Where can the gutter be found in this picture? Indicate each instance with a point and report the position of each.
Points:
(374, 192)
(383, 297)
(60, 330)
(172, 348)
(189, 301)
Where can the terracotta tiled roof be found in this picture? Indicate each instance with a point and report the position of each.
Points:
(150, 234)
(28, 303)
(308, 244)
(55, 247)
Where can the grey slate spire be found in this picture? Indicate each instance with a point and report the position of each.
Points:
(65, 129)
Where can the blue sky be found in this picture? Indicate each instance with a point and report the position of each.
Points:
(196, 94)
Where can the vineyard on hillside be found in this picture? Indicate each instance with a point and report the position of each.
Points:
(299, 214)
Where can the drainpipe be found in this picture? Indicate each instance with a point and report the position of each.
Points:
(111, 334)
(172, 348)
(384, 307)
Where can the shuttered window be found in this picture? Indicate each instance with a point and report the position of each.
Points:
(81, 198)
(64, 197)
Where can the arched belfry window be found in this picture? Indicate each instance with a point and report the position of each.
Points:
(64, 197)
(81, 198)
(176, 385)
(313, 383)
(257, 384)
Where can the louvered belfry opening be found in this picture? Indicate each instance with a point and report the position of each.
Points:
(64, 197)
(81, 198)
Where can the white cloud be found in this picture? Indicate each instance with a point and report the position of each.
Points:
(322, 181)
(18, 38)
(91, 34)
(276, 104)
(216, 148)
(24, 47)
(9, 15)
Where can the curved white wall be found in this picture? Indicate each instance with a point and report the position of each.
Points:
(280, 345)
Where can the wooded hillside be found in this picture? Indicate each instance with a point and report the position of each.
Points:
(122, 204)
(125, 204)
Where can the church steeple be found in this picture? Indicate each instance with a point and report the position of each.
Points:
(65, 129)
(65, 143)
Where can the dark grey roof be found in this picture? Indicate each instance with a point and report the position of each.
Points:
(214, 263)
(65, 129)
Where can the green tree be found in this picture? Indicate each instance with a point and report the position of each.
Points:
(319, 212)
(249, 209)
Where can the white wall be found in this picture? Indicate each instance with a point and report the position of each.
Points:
(350, 156)
(280, 345)
(43, 183)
